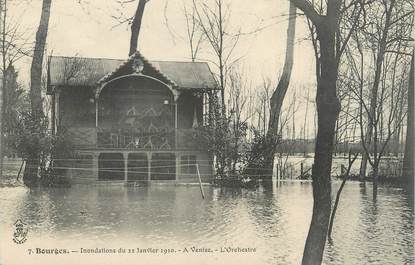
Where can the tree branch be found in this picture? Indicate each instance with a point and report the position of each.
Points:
(309, 11)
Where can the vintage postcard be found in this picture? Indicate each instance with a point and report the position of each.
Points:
(195, 132)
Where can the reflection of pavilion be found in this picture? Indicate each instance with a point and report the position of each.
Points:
(133, 119)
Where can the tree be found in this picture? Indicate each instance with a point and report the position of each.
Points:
(382, 46)
(14, 96)
(225, 136)
(208, 23)
(238, 119)
(13, 46)
(134, 21)
(379, 63)
(408, 161)
(387, 104)
(194, 34)
(280, 91)
(1, 103)
(351, 160)
(30, 177)
(136, 26)
(329, 46)
(213, 21)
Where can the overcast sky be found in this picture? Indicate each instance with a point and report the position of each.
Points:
(89, 29)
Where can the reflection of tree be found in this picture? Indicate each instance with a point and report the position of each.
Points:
(267, 216)
(38, 209)
(369, 221)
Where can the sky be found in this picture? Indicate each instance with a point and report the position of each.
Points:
(88, 28)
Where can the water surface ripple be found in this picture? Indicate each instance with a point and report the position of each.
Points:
(273, 219)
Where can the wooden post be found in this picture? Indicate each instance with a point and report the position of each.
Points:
(125, 156)
(200, 181)
(302, 169)
(278, 177)
(291, 172)
(96, 113)
(342, 169)
(175, 125)
(148, 166)
(178, 169)
(53, 114)
(176, 95)
(95, 165)
(277, 172)
(57, 110)
(20, 169)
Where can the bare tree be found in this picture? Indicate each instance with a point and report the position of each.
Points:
(13, 46)
(1, 101)
(134, 21)
(382, 53)
(213, 21)
(194, 34)
(238, 98)
(262, 106)
(281, 89)
(387, 102)
(408, 162)
(329, 46)
(305, 128)
(351, 160)
(379, 62)
(136, 26)
(30, 173)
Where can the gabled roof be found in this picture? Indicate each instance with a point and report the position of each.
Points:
(81, 71)
(126, 67)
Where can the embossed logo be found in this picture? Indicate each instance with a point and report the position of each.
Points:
(20, 233)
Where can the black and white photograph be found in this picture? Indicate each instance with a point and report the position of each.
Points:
(207, 132)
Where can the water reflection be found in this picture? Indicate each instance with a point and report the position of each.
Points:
(273, 219)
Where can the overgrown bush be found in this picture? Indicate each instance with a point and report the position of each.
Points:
(38, 147)
(256, 162)
(226, 142)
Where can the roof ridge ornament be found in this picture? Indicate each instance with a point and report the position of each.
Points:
(137, 65)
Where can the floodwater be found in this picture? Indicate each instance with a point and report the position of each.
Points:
(390, 166)
(272, 220)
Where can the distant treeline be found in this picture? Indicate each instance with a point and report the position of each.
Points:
(306, 146)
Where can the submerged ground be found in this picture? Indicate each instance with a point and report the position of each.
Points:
(273, 219)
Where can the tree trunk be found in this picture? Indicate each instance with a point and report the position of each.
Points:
(375, 169)
(279, 93)
(336, 203)
(2, 107)
(408, 160)
(363, 163)
(136, 26)
(30, 173)
(328, 108)
(372, 119)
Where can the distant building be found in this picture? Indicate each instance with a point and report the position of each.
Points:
(131, 120)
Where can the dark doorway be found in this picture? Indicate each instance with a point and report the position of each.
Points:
(111, 166)
(163, 166)
(137, 166)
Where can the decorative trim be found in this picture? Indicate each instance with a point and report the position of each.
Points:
(101, 87)
(136, 55)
